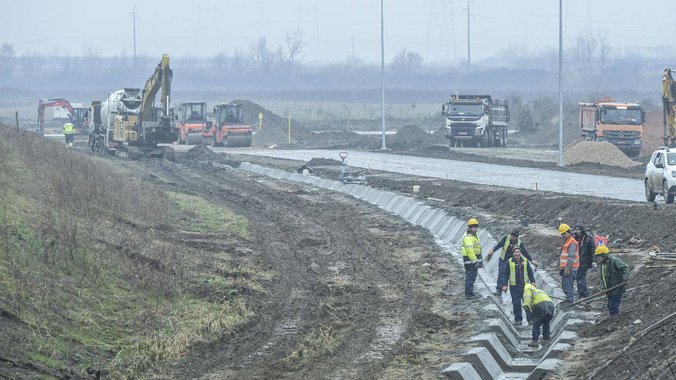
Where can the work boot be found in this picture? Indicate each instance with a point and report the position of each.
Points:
(470, 296)
(530, 322)
(533, 343)
(518, 322)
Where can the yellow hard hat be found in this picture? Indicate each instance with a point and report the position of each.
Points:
(601, 249)
(472, 222)
(563, 227)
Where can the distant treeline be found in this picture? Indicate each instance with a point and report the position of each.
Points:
(588, 74)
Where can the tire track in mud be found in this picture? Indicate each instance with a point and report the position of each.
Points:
(307, 236)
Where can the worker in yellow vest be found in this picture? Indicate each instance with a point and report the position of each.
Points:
(520, 273)
(542, 309)
(569, 261)
(471, 256)
(69, 133)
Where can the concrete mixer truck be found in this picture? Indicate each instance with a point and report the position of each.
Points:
(130, 125)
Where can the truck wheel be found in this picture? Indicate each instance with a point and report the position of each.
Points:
(649, 193)
(668, 197)
(451, 143)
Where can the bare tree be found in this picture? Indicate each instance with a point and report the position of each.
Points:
(406, 62)
(6, 59)
(294, 45)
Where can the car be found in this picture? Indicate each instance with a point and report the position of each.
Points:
(660, 175)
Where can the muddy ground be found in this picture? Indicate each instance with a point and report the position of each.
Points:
(606, 349)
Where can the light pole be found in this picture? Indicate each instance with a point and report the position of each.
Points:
(382, 68)
(561, 162)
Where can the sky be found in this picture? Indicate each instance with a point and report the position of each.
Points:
(331, 29)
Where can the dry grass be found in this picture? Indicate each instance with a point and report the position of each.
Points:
(96, 284)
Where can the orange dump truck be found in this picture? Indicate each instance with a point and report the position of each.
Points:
(620, 124)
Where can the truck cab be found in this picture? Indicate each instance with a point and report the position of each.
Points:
(620, 124)
(470, 121)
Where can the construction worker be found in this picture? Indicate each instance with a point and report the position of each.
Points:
(613, 272)
(520, 274)
(471, 256)
(508, 244)
(569, 262)
(587, 246)
(541, 307)
(69, 133)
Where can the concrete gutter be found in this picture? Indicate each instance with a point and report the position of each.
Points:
(501, 350)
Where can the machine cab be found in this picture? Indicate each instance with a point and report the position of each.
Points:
(191, 112)
(229, 114)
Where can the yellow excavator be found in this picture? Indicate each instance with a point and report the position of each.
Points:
(669, 108)
(131, 125)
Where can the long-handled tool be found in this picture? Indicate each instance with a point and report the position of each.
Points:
(597, 295)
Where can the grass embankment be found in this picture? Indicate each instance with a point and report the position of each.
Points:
(93, 276)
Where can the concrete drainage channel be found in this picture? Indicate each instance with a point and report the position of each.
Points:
(501, 350)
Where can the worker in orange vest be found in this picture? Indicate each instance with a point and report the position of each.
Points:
(569, 261)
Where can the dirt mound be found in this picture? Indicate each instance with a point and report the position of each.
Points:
(201, 153)
(271, 136)
(603, 153)
(410, 137)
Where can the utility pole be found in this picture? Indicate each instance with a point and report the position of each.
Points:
(382, 66)
(133, 13)
(469, 59)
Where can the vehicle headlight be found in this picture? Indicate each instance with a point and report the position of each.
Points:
(673, 174)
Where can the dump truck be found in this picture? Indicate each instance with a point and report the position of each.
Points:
(192, 122)
(475, 120)
(130, 123)
(620, 124)
(229, 129)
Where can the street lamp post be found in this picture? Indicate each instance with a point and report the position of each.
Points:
(382, 68)
(561, 162)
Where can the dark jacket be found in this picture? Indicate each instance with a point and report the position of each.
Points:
(508, 254)
(587, 247)
(614, 272)
(518, 274)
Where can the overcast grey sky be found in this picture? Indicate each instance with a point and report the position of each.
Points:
(437, 29)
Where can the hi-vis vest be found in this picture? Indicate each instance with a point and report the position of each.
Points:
(68, 129)
(512, 271)
(471, 248)
(563, 259)
(506, 245)
(533, 296)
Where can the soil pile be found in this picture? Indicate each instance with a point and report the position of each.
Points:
(272, 121)
(271, 136)
(603, 153)
(315, 161)
(410, 137)
(201, 153)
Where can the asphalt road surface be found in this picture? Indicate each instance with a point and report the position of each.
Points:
(474, 172)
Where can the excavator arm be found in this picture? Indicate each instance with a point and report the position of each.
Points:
(669, 108)
(43, 104)
(159, 80)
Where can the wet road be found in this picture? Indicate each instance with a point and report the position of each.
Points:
(475, 172)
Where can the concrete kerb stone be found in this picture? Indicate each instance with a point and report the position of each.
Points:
(439, 222)
(557, 350)
(426, 213)
(444, 228)
(460, 371)
(499, 327)
(410, 211)
(429, 218)
(504, 359)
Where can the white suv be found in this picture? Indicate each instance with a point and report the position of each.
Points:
(660, 175)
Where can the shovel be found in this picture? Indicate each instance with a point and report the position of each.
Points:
(567, 306)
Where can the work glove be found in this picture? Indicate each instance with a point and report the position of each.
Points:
(504, 289)
(566, 272)
(490, 253)
(594, 265)
(477, 265)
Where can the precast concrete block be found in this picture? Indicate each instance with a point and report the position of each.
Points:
(427, 213)
(418, 214)
(524, 365)
(393, 202)
(457, 226)
(460, 371)
(557, 350)
(567, 336)
(500, 328)
(444, 227)
(484, 363)
(491, 342)
(438, 222)
(426, 222)
(546, 367)
(410, 211)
